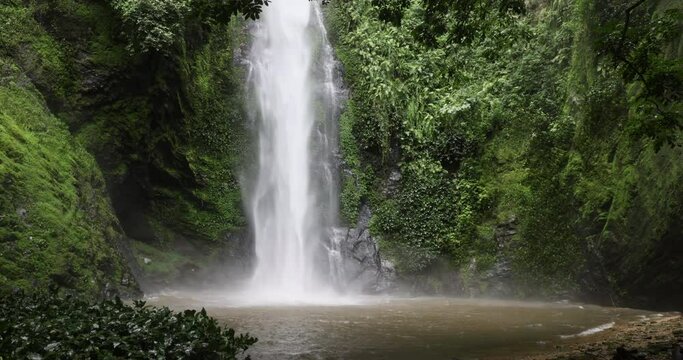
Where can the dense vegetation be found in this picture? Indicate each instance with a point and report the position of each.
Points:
(46, 326)
(121, 125)
(150, 90)
(557, 122)
(534, 141)
(538, 141)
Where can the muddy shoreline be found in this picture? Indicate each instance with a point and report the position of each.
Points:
(659, 337)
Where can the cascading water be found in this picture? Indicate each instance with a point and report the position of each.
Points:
(293, 202)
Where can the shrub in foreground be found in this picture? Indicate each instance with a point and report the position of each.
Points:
(52, 327)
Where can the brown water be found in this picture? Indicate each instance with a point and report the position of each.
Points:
(409, 328)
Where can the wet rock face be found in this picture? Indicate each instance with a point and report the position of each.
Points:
(498, 278)
(472, 279)
(194, 265)
(361, 265)
(22, 213)
(505, 231)
(392, 183)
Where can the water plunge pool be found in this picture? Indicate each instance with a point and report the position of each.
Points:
(408, 328)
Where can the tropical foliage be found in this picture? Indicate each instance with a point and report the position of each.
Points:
(46, 326)
(563, 116)
(155, 25)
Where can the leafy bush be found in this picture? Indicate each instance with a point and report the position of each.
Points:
(154, 25)
(51, 327)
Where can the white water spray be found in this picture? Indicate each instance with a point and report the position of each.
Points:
(293, 202)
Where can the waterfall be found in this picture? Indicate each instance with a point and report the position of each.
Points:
(293, 202)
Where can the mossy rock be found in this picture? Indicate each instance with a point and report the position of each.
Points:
(57, 226)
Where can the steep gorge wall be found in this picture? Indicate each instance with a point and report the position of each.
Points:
(515, 159)
(57, 226)
(510, 150)
(166, 128)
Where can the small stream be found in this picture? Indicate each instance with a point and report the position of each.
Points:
(408, 328)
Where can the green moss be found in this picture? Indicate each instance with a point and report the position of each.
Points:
(217, 139)
(55, 214)
(169, 142)
(159, 263)
(17, 26)
(105, 48)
